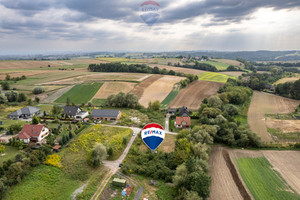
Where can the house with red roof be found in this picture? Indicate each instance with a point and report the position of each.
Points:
(33, 133)
(183, 122)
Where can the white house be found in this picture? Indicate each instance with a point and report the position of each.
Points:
(33, 133)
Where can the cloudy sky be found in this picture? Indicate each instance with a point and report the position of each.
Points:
(112, 25)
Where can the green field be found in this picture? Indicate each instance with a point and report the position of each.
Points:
(214, 77)
(264, 182)
(99, 102)
(44, 182)
(10, 153)
(172, 95)
(218, 65)
(81, 93)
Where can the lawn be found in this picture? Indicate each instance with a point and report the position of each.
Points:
(172, 95)
(263, 181)
(99, 102)
(214, 77)
(81, 93)
(10, 153)
(218, 65)
(44, 182)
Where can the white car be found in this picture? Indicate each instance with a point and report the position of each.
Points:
(134, 134)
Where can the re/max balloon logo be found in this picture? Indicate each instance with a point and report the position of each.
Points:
(153, 135)
(149, 12)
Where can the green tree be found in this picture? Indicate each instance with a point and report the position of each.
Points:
(5, 85)
(37, 99)
(35, 120)
(7, 77)
(295, 91)
(97, 155)
(29, 102)
(68, 101)
(56, 110)
(38, 90)
(3, 99)
(22, 97)
(154, 105)
(2, 148)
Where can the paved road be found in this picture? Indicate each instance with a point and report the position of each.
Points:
(167, 123)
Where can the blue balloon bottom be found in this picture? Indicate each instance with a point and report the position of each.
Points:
(153, 142)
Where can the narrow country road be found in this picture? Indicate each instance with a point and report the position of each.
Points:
(113, 166)
(167, 123)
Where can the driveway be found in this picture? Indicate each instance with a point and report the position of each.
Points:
(167, 123)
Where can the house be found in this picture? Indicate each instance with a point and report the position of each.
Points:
(270, 87)
(171, 111)
(184, 112)
(25, 113)
(56, 148)
(183, 122)
(33, 133)
(72, 111)
(82, 115)
(107, 115)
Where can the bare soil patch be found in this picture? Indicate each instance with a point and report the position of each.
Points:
(193, 94)
(159, 89)
(109, 88)
(290, 79)
(264, 103)
(23, 64)
(92, 77)
(179, 69)
(230, 62)
(19, 74)
(55, 95)
(139, 89)
(287, 126)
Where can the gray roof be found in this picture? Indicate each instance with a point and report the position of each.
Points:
(105, 113)
(28, 110)
(71, 110)
(171, 110)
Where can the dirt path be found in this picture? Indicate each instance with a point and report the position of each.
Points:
(102, 185)
(57, 94)
(263, 103)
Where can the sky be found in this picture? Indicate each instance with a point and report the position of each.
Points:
(38, 26)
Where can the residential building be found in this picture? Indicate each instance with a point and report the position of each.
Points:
(183, 111)
(33, 133)
(171, 111)
(183, 122)
(72, 111)
(25, 113)
(107, 115)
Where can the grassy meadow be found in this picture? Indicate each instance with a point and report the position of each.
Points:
(172, 95)
(81, 93)
(218, 65)
(263, 181)
(215, 77)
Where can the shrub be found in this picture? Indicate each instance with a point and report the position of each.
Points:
(53, 160)
(38, 90)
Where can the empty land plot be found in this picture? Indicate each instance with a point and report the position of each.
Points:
(26, 64)
(222, 184)
(215, 77)
(159, 89)
(194, 93)
(110, 88)
(55, 95)
(139, 89)
(289, 79)
(97, 76)
(14, 74)
(218, 65)
(179, 69)
(235, 74)
(229, 62)
(264, 103)
(81, 93)
(286, 126)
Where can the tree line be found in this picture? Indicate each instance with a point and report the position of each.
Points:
(132, 68)
(289, 89)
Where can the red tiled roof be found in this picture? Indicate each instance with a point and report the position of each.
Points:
(30, 130)
(56, 147)
(179, 120)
